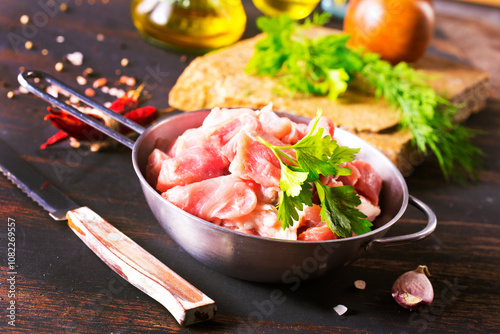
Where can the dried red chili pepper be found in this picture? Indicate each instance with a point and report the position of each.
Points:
(127, 102)
(74, 127)
(142, 116)
(61, 135)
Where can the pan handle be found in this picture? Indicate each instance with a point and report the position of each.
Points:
(27, 80)
(405, 239)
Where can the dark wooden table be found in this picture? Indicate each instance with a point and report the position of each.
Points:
(61, 286)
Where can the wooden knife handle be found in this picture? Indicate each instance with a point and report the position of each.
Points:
(187, 304)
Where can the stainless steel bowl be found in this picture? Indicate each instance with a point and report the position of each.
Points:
(241, 255)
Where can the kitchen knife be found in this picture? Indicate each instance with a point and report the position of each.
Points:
(187, 304)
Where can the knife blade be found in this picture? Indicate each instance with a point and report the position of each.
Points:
(187, 304)
(33, 184)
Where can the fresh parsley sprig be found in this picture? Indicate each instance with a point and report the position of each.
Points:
(318, 154)
(326, 66)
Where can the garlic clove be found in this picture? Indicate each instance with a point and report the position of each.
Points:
(413, 289)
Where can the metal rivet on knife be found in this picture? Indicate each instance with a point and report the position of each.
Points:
(114, 236)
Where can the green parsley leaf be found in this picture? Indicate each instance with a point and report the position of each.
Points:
(291, 182)
(289, 206)
(342, 201)
(317, 154)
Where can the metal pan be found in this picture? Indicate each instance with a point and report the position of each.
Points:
(241, 255)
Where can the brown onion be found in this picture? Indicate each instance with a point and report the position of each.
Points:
(413, 289)
(397, 30)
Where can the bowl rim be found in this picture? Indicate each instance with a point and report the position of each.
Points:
(209, 224)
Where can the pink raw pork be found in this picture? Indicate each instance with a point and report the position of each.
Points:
(218, 128)
(255, 161)
(223, 197)
(311, 227)
(281, 128)
(153, 169)
(222, 173)
(263, 221)
(191, 165)
(364, 178)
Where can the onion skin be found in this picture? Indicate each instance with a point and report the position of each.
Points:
(398, 30)
(413, 290)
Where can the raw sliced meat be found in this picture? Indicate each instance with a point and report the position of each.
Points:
(263, 221)
(218, 133)
(325, 123)
(255, 161)
(219, 116)
(317, 233)
(349, 180)
(282, 128)
(155, 160)
(223, 197)
(273, 124)
(310, 217)
(299, 130)
(311, 228)
(190, 138)
(331, 181)
(221, 134)
(266, 194)
(191, 165)
(369, 182)
(371, 211)
(194, 174)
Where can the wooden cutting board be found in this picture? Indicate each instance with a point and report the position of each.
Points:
(218, 80)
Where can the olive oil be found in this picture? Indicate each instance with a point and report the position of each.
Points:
(296, 9)
(190, 25)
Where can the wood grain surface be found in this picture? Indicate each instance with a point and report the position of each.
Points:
(60, 286)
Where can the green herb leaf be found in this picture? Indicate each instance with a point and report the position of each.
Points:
(318, 154)
(339, 210)
(291, 182)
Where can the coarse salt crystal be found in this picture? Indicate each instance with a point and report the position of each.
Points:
(113, 91)
(53, 90)
(340, 309)
(23, 90)
(24, 19)
(120, 93)
(81, 80)
(75, 58)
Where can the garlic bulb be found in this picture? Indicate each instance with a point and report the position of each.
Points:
(413, 289)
